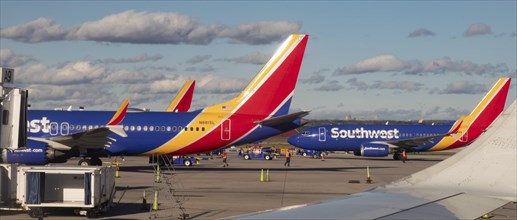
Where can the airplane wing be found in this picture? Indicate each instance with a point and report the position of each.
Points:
(90, 139)
(414, 142)
(388, 205)
(467, 185)
(275, 121)
(182, 101)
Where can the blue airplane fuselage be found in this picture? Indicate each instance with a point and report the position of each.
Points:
(351, 137)
(145, 131)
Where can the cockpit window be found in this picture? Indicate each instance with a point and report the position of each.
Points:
(306, 133)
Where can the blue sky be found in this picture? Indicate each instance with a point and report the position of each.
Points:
(368, 59)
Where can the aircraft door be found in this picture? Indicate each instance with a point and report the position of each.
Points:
(323, 135)
(65, 128)
(225, 130)
(54, 128)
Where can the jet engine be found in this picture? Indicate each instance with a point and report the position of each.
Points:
(373, 150)
(37, 153)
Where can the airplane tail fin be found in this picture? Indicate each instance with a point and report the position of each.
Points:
(485, 113)
(182, 101)
(270, 92)
(120, 114)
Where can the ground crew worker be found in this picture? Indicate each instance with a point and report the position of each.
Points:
(225, 157)
(404, 156)
(287, 159)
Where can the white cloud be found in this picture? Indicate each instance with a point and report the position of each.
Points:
(256, 58)
(145, 27)
(39, 30)
(8, 58)
(382, 63)
(219, 85)
(49, 96)
(201, 69)
(432, 113)
(198, 59)
(385, 85)
(477, 29)
(315, 78)
(140, 58)
(71, 73)
(330, 87)
(130, 77)
(263, 32)
(150, 28)
(92, 84)
(207, 84)
(464, 87)
(391, 63)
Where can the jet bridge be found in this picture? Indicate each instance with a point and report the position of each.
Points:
(13, 113)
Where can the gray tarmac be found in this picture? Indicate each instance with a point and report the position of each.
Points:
(211, 191)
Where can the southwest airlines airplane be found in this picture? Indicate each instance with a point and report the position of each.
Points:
(468, 185)
(258, 112)
(379, 140)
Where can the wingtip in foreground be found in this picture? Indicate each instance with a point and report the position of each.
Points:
(469, 184)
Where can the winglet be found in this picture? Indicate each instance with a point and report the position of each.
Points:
(182, 101)
(120, 114)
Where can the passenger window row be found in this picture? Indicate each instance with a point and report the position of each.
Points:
(162, 128)
(139, 128)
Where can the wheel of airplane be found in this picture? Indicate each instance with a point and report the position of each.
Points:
(396, 156)
(267, 157)
(187, 163)
(304, 154)
(96, 161)
(246, 157)
(84, 162)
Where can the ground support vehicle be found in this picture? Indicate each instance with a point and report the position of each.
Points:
(88, 191)
(176, 160)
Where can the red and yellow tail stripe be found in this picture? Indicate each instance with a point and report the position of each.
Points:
(120, 114)
(270, 88)
(485, 113)
(182, 101)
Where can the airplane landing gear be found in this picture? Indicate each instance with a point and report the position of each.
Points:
(94, 161)
(396, 156)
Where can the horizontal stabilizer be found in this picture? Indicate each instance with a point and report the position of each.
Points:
(274, 121)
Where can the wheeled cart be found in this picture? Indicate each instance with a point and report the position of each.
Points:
(87, 190)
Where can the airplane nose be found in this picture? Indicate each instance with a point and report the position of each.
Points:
(293, 140)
